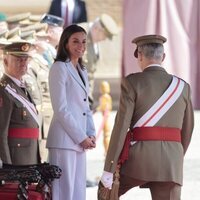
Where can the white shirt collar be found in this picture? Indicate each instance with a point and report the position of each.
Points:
(154, 65)
(17, 81)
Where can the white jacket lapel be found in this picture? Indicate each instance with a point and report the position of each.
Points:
(75, 75)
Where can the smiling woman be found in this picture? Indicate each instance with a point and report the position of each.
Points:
(72, 129)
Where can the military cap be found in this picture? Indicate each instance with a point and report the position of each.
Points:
(35, 18)
(28, 35)
(109, 25)
(3, 42)
(25, 22)
(18, 48)
(18, 17)
(3, 29)
(13, 33)
(148, 39)
(52, 20)
(35, 27)
(3, 33)
(30, 21)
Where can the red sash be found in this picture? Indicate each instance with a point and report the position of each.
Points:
(23, 133)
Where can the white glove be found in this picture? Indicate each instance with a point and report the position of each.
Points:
(107, 179)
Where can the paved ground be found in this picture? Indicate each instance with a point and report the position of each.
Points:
(191, 187)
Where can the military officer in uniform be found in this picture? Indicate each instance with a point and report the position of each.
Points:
(50, 40)
(3, 42)
(19, 127)
(100, 29)
(156, 108)
(52, 36)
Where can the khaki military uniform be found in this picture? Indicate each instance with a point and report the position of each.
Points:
(1, 68)
(149, 161)
(16, 150)
(34, 89)
(90, 58)
(91, 55)
(41, 70)
(37, 83)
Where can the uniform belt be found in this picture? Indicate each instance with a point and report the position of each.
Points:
(23, 133)
(156, 133)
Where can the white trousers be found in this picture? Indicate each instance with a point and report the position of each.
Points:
(72, 183)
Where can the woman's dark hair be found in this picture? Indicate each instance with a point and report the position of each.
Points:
(62, 52)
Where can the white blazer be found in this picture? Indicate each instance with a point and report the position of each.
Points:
(72, 120)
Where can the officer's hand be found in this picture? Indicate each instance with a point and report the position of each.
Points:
(107, 179)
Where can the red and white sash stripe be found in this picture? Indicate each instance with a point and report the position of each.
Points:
(30, 107)
(162, 105)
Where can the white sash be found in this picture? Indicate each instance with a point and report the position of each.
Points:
(30, 107)
(162, 105)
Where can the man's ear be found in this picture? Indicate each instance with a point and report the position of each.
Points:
(140, 56)
(5, 61)
(163, 58)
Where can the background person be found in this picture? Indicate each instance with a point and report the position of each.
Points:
(72, 11)
(52, 36)
(160, 132)
(102, 28)
(72, 128)
(19, 127)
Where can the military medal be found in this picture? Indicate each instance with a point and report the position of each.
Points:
(24, 114)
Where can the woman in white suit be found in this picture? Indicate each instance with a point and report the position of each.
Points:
(72, 129)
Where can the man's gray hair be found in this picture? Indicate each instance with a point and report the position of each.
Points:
(152, 51)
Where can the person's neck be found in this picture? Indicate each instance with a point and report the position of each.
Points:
(17, 80)
(14, 77)
(75, 63)
(149, 64)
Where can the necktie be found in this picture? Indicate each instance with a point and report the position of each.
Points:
(66, 15)
(26, 93)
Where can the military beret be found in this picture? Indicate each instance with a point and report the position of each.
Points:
(148, 39)
(109, 25)
(18, 48)
(52, 20)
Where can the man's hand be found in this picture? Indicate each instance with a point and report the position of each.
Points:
(107, 179)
